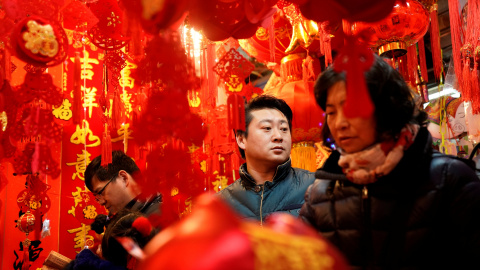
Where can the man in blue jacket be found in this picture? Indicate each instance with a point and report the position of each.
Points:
(267, 183)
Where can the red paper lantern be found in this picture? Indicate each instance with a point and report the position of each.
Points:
(307, 115)
(26, 222)
(406, 24)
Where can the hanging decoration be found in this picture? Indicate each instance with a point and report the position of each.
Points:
(351, 10)
(219, 20)
(233, 68)
(26, 224)
(39, 42)
(107, 33)
(403, 27)
(296, 88)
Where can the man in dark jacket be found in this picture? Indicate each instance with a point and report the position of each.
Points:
(267, 181)
(115, 188)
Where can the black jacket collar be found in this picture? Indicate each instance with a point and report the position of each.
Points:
(280, 174)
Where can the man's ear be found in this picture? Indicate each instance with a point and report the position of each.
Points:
(126, 177)
(240, 137)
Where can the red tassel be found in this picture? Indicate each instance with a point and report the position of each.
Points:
(117, 111)
(423, 61)
(327, 43)
(412, 63)
(475, 90)
(26, 259)
(457, 37)
(236, 112)
(106, 147)
(77, 91)
(435, 43)
(7, 64)
(271, 40)
(466, 79)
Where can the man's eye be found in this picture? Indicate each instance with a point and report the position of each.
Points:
(267, 128)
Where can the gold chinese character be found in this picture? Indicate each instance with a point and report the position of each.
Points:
(126, 80)
(124, 134)
(220, 183)
(80, 195)
(63, 111)
(82, 134)
(81, 236)
(89, 99)
(80, 165)
(126, 98)
(89, 212)
(72, 211)
(87, 72)
(188, 207)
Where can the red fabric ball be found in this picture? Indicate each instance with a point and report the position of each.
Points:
(26, 222)
(142, 225)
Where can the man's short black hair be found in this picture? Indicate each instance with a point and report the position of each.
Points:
(120, 161)
(393, 99)
(264, 102)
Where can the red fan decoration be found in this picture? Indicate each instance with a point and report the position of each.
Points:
(107, 33)
(39, 42)
(76, 16)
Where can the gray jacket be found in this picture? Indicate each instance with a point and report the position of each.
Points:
(284, 194)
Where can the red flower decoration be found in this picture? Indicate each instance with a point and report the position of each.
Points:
(39, 42)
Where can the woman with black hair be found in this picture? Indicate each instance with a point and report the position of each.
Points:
(384, 197)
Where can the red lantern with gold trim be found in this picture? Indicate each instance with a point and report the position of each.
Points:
(407, 23)
(308, 117)
(26, 222)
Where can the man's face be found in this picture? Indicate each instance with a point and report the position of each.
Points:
(115, 196)
(269, 140)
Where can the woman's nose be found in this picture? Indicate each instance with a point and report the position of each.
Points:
(342, 121)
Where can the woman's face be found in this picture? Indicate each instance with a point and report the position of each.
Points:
(350, 134)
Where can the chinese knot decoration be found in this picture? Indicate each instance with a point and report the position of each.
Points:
(26, 224)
